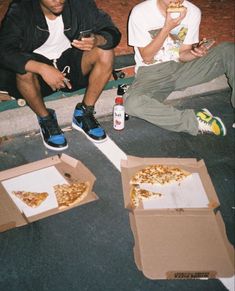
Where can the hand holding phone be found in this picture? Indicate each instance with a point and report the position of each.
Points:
(85, 34)
(206, 43)
(85, 41)
(201, 49)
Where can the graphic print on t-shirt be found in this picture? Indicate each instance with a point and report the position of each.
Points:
(170, 49)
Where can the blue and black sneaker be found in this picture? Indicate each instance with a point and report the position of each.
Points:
(84, 121)
(52, 136)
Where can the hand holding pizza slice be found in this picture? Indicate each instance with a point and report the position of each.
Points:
(176, 8)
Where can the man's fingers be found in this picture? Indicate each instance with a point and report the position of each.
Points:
(67, 83)
(197, 53)
(86, 44)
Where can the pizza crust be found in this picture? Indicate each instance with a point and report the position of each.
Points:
(69, 195)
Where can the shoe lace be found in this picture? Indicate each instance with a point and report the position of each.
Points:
(204, 126)
(91, 121)
(52, 127)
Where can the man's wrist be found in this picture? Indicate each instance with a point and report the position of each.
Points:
(186, 56)
(35, 67)
(165, 30)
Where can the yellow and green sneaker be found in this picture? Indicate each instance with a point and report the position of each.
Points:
(207, 123)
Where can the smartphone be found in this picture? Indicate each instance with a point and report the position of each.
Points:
(207, 43)
(85, 33)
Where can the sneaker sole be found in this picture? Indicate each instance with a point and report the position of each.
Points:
(91, 139)
(223, 126)
(50, 147)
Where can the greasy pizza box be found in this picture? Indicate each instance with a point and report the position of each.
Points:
(178, 243)
(69, 168)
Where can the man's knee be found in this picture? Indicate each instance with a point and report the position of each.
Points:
(133, 104)
(24, 77)
(226, 48)
(106, 58)
(98, 57)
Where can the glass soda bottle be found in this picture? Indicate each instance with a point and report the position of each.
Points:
(118, 114)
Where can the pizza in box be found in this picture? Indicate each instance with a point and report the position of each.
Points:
(156, 174)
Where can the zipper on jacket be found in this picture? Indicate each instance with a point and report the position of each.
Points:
(42, 29)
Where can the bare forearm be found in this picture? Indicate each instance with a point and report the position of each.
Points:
(194, 52)
(51, 75)
(154, 46)
(35, 67)
(186, 56)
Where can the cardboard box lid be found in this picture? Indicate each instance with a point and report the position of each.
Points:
(181, 247)
(130, 166)
(178, 243)
(70, 168)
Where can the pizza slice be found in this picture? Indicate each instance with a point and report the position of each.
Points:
(31, 199)
(71, 194)
(175, 9)
(159, 174)
(176, 6)
(138, 195)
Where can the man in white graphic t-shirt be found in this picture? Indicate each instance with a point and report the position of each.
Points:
(169, 57)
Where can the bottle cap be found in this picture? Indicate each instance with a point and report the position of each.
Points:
(119, 100)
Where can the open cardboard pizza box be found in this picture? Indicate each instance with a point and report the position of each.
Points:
(40, 176)
(179, 242)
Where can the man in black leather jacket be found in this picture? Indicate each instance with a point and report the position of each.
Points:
(49, 45)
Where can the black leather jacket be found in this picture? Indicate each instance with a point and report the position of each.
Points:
(24, 29)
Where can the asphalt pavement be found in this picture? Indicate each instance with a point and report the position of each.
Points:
(91, 247)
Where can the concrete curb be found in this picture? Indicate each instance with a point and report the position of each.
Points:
(23, 120)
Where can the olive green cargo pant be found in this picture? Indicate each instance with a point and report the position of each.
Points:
(152, 84)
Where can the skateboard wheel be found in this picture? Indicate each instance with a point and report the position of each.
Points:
(21, 102)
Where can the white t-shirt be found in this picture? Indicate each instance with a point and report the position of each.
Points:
(146, 21)
(57, 42)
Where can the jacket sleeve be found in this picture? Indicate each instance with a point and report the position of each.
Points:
(102, 24)
(11, 36)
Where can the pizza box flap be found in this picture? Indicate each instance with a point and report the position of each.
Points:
(133, 164)
(136, 248)
(133, 161)
(10, 215)
(27, 168)
(186, 246)
(51, 161)
(71, 169)
(74, 170)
